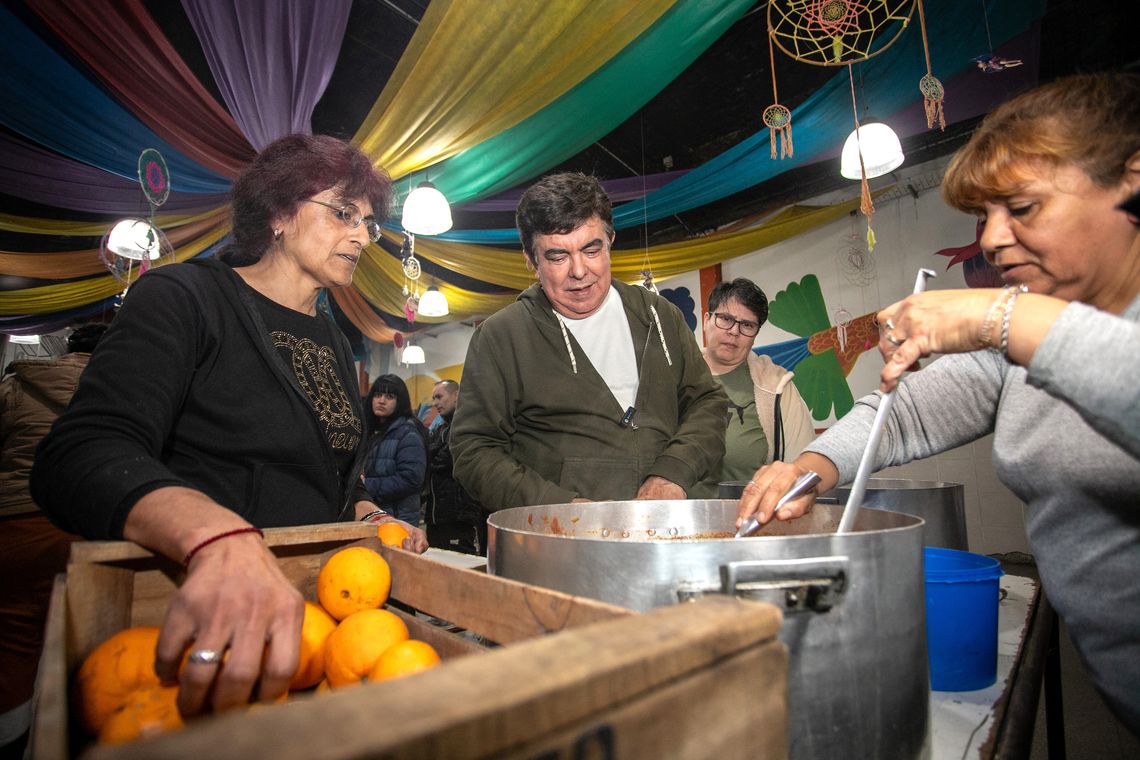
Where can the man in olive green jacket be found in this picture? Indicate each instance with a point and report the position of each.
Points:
(585, 388)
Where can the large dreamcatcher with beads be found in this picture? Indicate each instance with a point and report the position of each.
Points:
(842, 33)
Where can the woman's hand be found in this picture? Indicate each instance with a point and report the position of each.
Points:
(936, 321)
(237, 602)
(415, 542)
(774, 480)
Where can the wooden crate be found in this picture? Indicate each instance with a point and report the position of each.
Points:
(573, 678)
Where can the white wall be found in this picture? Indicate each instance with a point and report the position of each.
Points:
(909, 230)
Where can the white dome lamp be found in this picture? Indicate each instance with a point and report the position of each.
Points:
(433, 303)
(882, 151)
(135, 239)
(413, 354)
(426, 211)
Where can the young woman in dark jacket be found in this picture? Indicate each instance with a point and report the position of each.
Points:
(397, 456)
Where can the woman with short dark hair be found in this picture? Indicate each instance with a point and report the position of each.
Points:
(222, 400)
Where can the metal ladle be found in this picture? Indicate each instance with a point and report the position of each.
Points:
(859, 486)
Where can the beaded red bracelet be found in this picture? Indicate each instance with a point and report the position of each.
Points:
(224, 534)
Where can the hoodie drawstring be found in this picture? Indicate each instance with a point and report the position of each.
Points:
(570, 349)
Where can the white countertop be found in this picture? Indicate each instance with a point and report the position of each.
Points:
(961, 720)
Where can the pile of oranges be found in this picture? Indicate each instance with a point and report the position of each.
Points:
(346, 639)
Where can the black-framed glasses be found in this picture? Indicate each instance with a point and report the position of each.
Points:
(351, 216)
(748, 328)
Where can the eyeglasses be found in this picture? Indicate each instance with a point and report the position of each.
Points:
(748, 328)
(351, 216)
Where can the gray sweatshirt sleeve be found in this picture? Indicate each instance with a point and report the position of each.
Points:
(1090, 359)
(951, 401)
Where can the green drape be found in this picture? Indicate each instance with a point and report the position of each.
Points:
(475, 68)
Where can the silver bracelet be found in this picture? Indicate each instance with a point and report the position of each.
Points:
(1006, 316)
(374, 513)
(992, 316)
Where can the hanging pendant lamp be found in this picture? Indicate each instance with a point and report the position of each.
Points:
(882, 151)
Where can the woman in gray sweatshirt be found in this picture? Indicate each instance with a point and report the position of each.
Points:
(1047, 364)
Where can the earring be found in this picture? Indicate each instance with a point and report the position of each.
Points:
(276, 234)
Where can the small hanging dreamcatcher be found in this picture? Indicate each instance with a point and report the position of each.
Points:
(134, 246)
(856, 263)
(411, 266)
(843, 33)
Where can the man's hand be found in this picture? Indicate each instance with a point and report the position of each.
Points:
(657, 488)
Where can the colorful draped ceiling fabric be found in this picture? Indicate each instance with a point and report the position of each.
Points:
(486, 96)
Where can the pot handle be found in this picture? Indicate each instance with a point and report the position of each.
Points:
(796, 585)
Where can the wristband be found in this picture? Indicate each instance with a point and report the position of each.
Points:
(225, 534)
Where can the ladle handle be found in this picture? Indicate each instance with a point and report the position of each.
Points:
(863, 474)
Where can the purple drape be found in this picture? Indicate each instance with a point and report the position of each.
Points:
(47, 178)
(125, 48)
(271, 59)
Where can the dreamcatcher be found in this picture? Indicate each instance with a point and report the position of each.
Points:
(412, 271)
(856, 263)
(842, 33)
(133, 246)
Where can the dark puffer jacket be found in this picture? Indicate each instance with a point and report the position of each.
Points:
(395, 468)
(446, 501)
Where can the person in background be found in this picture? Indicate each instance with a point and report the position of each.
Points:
(585, 388)
(32, 550)
(222, 401)
(453, 519)
(397, 455)
(767, 418)
(1048, 364)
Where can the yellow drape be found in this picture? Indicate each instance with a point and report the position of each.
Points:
(65, 265)
(68, 295)
(474, 69)
(507, 267)
(379, 278)
(38, 226)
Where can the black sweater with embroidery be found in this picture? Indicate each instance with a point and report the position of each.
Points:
(186, 389)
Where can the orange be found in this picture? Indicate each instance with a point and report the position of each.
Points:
(392, 534)
(403, 659)
(146, 711)
(352, 580)
(113, 670)
(315, 629)
(353, 648)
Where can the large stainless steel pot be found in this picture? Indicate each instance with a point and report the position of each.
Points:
(941, 505)
(858, 683)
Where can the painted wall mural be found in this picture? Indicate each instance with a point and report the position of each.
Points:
(824, 355)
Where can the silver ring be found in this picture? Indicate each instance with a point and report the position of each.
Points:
(893, 340)
(890, 324)
(205, 657)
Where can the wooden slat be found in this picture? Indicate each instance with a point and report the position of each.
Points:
(729, 713)
(49, 723)
(503, 610)
(481, 706)
(306, 536)
(446, 643)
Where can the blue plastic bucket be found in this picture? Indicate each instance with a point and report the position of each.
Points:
(961, 619)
